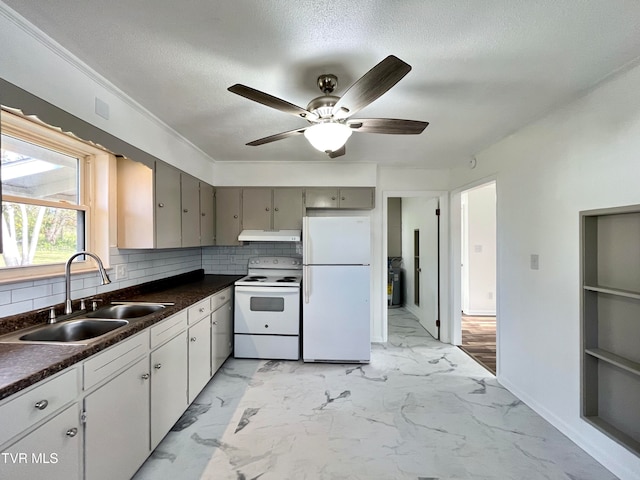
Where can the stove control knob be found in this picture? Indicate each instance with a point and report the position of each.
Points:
(275, 261)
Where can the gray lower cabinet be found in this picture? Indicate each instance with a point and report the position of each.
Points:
(357, 198)
(221, 335)
(199, 357)
(610, 253)
(168, 386)
(53, 450)
(117, 425)
(228, 211)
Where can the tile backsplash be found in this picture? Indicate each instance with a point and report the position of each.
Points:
(142, 266)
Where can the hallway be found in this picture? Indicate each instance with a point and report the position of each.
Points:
(421, 409)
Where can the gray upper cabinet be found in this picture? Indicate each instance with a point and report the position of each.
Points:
(257, 208)
(287, 208)
(158, 207)
(168, 199)
(272, 208)
(228, 211)
(190, 216)
(207, 215)
(358, 198)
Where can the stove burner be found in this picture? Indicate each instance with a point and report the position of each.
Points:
(287, 279)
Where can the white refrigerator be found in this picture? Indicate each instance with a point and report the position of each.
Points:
(336, 307)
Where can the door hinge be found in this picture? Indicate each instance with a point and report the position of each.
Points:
(83, 417)
(437, 323)
(438, 211)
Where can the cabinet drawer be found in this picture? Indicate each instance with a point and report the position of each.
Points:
(199, 310)
(169, 328)
(38, 403)
(220, 298)
(108, 362)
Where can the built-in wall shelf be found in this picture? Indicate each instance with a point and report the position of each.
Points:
(610, 322)
(613, 291)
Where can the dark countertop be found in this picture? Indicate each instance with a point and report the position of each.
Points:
(24, 364)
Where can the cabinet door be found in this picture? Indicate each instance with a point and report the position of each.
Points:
(190, 218)
(168, 214)
(321, 198)
(227, 216)
(117, 428)
(356, 197)
(207, 215)
(287, 208)
(256, 208)
(168, 386)
(221, 336)
(199, 357)
(52, 450)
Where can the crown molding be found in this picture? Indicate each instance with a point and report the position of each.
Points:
(45, 40)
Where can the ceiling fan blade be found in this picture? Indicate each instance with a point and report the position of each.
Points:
(391, 126)
(271, 101)
(370, 86)
(338, 153)
(277, 136)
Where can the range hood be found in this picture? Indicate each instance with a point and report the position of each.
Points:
(270, 236)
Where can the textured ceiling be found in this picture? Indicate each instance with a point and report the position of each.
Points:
(481, 69)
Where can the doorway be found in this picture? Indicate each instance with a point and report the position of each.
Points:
(413, 249)
(478, 274)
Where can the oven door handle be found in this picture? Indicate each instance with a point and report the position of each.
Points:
(266, 291)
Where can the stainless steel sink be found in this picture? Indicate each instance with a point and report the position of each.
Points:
(127, 311)
(73, 330)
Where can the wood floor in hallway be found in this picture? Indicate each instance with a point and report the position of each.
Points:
(479, 340)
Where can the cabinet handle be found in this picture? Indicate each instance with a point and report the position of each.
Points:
(42, 404)
(267, 209)
(222, 298)
(214, 323)
(203, 214)
(235, 216)
(186, 210)
(276, 209)
(145, 376)
(72, 432)
(333, 198)
(161, 205)
(193, 339)
(157, 366)
(201, 309)
(266, 326)
(341, 198)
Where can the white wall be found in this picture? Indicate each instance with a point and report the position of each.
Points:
(481, 251)
(582, 156)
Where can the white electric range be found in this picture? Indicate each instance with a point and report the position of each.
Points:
(267, 309)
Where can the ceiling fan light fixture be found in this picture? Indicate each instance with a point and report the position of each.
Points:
(328, 136)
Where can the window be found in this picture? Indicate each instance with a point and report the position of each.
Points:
(49, 199)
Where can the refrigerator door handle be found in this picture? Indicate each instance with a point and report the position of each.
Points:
(305, 281)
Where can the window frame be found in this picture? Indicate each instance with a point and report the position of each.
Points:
(93, 198)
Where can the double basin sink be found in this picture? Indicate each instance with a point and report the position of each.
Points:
(86, 327)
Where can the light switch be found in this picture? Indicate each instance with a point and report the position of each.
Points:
(535, 261)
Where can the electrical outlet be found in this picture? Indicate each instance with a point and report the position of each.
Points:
(535, 261)
(121, 271)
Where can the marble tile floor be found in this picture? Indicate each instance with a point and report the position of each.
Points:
(421, 410)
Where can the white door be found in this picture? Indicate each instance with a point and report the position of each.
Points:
(336, 314)
(337, 241)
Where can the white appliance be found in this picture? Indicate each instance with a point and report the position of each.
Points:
(267, 309)
(336, 307)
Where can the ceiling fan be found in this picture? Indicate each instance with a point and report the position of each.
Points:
(329, 115)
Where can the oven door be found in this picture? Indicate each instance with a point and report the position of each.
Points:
(267, 310)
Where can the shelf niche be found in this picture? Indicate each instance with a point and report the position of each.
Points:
(610, 322)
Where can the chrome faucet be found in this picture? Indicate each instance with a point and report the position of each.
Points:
(67, 277)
